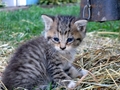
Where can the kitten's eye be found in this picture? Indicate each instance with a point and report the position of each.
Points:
(56, 39)
(70, 40)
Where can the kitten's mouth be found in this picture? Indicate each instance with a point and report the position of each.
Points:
(63, 51)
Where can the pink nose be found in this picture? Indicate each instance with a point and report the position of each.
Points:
(62, 48)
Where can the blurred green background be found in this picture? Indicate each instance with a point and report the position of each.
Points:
(20, 25)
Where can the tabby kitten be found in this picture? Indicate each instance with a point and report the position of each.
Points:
(47, 59)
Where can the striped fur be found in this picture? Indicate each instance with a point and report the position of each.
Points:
(46, 59)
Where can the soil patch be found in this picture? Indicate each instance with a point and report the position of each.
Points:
(13, 8)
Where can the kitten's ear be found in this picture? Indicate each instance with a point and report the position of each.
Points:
(48, 21)
(81, 25)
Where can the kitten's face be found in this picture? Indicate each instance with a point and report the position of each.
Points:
(63, 32)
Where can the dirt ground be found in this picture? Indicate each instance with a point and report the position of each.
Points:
(13, 8)
(26, 7)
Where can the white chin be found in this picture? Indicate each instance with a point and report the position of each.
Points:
(62, 51)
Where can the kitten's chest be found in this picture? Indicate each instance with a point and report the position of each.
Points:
(68, 56)
(67, 59)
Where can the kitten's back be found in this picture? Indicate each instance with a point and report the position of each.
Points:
(28, 66)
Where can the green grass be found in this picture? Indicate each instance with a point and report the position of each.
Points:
(24, 24)
(21, 25)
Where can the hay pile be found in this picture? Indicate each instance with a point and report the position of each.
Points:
(99, 55)
(5, 51)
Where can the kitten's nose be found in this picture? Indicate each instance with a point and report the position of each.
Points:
(62, 48)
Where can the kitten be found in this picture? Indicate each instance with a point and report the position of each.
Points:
(47, 59)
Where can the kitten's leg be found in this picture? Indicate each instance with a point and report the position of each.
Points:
(73, 72)
(63, 76)
(59, 75)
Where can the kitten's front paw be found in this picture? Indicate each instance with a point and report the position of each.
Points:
(84, 72)
(72, 84)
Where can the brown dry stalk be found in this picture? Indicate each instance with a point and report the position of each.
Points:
(3, 85)
(104, 65)
(112, 78)
(115, 33)
(83, 77)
